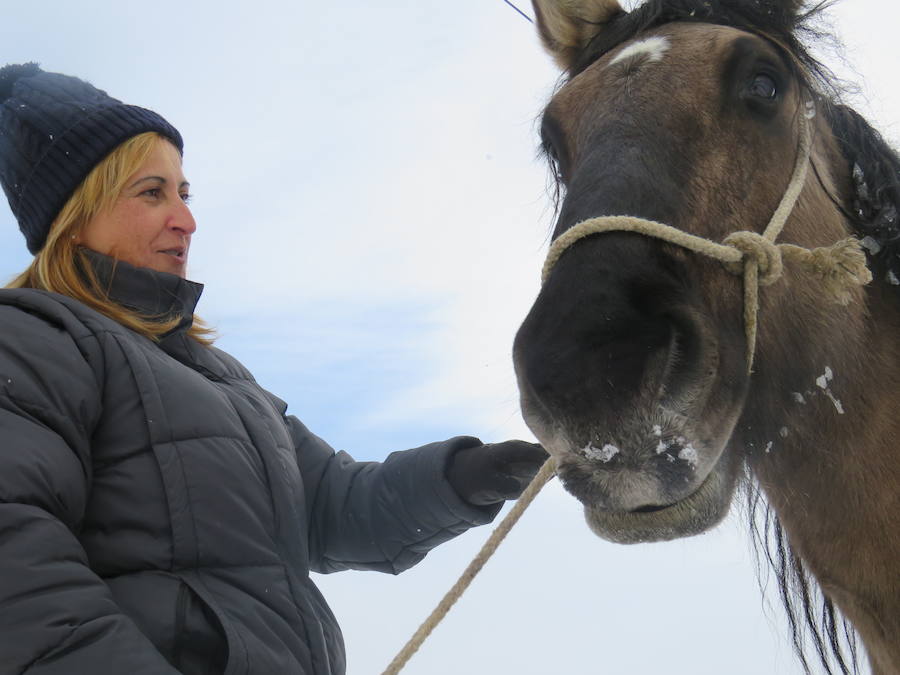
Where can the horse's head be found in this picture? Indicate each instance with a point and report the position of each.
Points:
(632, 363)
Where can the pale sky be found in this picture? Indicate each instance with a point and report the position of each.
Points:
(372, 222)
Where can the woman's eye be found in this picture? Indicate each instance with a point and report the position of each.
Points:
(186, 197)
(763, 86)
(152, 192)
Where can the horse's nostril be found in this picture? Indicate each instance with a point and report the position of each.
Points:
(685, 356)
(679, 354)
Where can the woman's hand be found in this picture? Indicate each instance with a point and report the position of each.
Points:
(487, 474)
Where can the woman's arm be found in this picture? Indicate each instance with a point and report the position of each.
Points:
(386, 515)
(57, 617)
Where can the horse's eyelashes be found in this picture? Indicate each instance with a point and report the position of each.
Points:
(548, 148)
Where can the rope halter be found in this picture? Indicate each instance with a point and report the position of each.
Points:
(754, 256)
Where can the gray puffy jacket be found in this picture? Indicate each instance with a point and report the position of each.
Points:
(159, 513)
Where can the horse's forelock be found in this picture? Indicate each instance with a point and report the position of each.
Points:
(789, 24)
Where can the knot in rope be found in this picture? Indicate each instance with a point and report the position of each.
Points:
(758, 250)
(840, 266)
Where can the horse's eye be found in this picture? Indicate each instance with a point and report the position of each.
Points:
(763, 86)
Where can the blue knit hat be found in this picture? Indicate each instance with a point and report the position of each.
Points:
(54, 129)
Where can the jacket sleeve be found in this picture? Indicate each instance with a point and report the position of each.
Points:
(382, 516)
(56, 615)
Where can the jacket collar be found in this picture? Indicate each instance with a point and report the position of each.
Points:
(146, 291)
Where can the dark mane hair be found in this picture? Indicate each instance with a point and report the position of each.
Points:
(812, 617)
(875, 167)
(872, 212)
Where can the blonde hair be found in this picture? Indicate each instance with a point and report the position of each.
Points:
(61, 266)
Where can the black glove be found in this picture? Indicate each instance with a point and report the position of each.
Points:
(487, 474)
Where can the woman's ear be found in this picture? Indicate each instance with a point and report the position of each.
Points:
(567, 26)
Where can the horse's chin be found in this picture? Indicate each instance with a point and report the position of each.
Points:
(700, 511)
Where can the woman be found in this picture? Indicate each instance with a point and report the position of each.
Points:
(159, 511)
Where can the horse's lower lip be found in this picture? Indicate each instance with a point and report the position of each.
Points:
(694, 514)
(651, 508)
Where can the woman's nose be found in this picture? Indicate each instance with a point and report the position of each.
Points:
(183, 220)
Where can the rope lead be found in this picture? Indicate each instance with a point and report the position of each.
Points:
(543, 476)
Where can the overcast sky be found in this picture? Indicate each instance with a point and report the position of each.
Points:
(372, 221)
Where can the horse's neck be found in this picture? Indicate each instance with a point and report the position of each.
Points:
(835, 483)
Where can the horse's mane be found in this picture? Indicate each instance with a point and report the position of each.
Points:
(872, 213)
(875, 168)
(811, 616)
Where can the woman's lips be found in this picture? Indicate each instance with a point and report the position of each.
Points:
(177, 253)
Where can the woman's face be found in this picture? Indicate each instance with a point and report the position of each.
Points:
(150, 224)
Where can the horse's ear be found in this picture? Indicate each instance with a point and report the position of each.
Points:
(567, 26)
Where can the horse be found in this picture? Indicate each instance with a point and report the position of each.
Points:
(640, 367)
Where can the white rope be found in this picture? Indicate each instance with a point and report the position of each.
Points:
(547, 471)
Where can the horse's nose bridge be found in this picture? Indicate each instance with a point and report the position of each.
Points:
(629, 175)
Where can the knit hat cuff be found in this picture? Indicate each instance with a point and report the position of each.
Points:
(71, 156)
